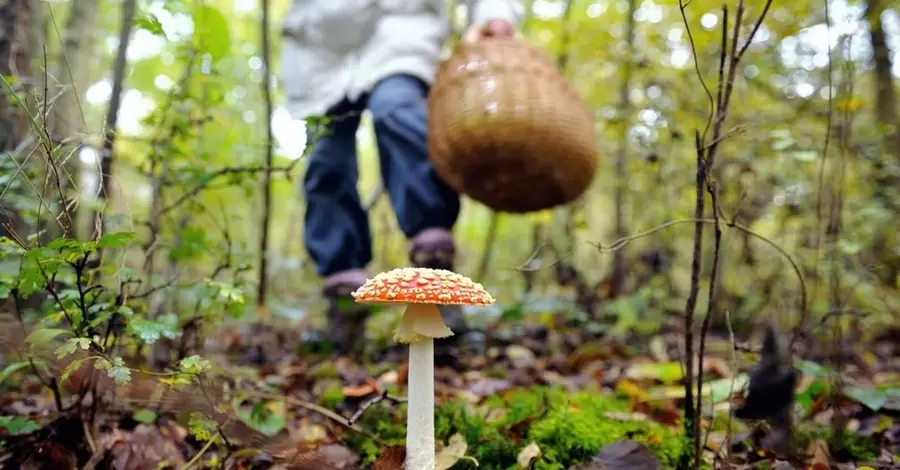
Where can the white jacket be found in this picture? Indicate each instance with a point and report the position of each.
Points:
(334, 49)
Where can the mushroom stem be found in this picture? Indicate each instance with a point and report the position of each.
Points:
(420, 449)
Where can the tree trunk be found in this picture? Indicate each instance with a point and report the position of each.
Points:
(14, 63)
(885, 95)
(887, 172)
(107, 156)
(618, 271)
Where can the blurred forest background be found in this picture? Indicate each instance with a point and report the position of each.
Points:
(137, 130)
(810, 161)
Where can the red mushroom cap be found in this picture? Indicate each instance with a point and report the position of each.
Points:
(423, 286)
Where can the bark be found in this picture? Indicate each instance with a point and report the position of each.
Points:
(885, 94)
(618, 271)
(14, 62)
(887, 173)
(107, 157)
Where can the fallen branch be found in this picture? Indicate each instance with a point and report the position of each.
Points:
(320, 410)
(372, 402)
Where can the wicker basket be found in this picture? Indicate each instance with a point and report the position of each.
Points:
(506, 129)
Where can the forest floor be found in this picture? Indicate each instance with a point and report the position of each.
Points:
(513, 397)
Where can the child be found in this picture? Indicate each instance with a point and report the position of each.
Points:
(341, 57)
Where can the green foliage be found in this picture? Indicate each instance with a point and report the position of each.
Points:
(211, 31)
(862, 448)
(202, 427)
(823, 378)
(333, 394)
(198, 152)
(116, 369)
(568, 428)
(144, 416)
(267, 417)
(16, 425)
(149, 331)
(72, 345)
(194, 365)
(11, 369)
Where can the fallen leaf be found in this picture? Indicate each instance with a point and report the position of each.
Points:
(631, 390)
(716, 366)
(520, 356)
(310, 432)
(622, 455)
(328, 457)
(820, 458)
(662, 371)
(453, 452)
(143, 449)
(621, 416)
(356, 391)
(658, 348)
(391, 458)
(528, 456)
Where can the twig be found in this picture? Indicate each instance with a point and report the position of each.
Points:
(691, 415)
(51, 383)
(734, 367)
(372, 402)
(218, 174)
(622, 152)
(112, 115)
(320, 410)
(267, 173)
(706, 154)
(486, 254)
(709, 153)
(710, 303)
(196, 459)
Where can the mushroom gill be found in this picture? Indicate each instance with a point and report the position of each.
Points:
(420, 321)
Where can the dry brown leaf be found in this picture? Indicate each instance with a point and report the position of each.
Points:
(820, 457)
(391, 458)
(144, 449)
(357, 391)
(327, 457)
(622, 455)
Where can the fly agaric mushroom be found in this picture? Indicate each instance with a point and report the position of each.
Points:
(423, 290)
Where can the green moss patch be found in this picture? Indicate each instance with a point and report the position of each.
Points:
(568, 428)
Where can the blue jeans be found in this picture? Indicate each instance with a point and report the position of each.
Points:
(336, 229)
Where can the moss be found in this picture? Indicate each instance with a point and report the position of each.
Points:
(569, 429)
(332, 396)
(386, 423)
(324, 370)
(860, 447)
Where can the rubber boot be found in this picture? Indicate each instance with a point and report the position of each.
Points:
(346, 318)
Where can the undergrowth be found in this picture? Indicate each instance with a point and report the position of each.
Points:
(568, 428)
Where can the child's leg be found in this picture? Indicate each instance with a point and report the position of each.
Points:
(426, 207)
(422, 201)
(336, 227)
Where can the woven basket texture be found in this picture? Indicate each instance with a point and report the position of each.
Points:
(508, 130)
